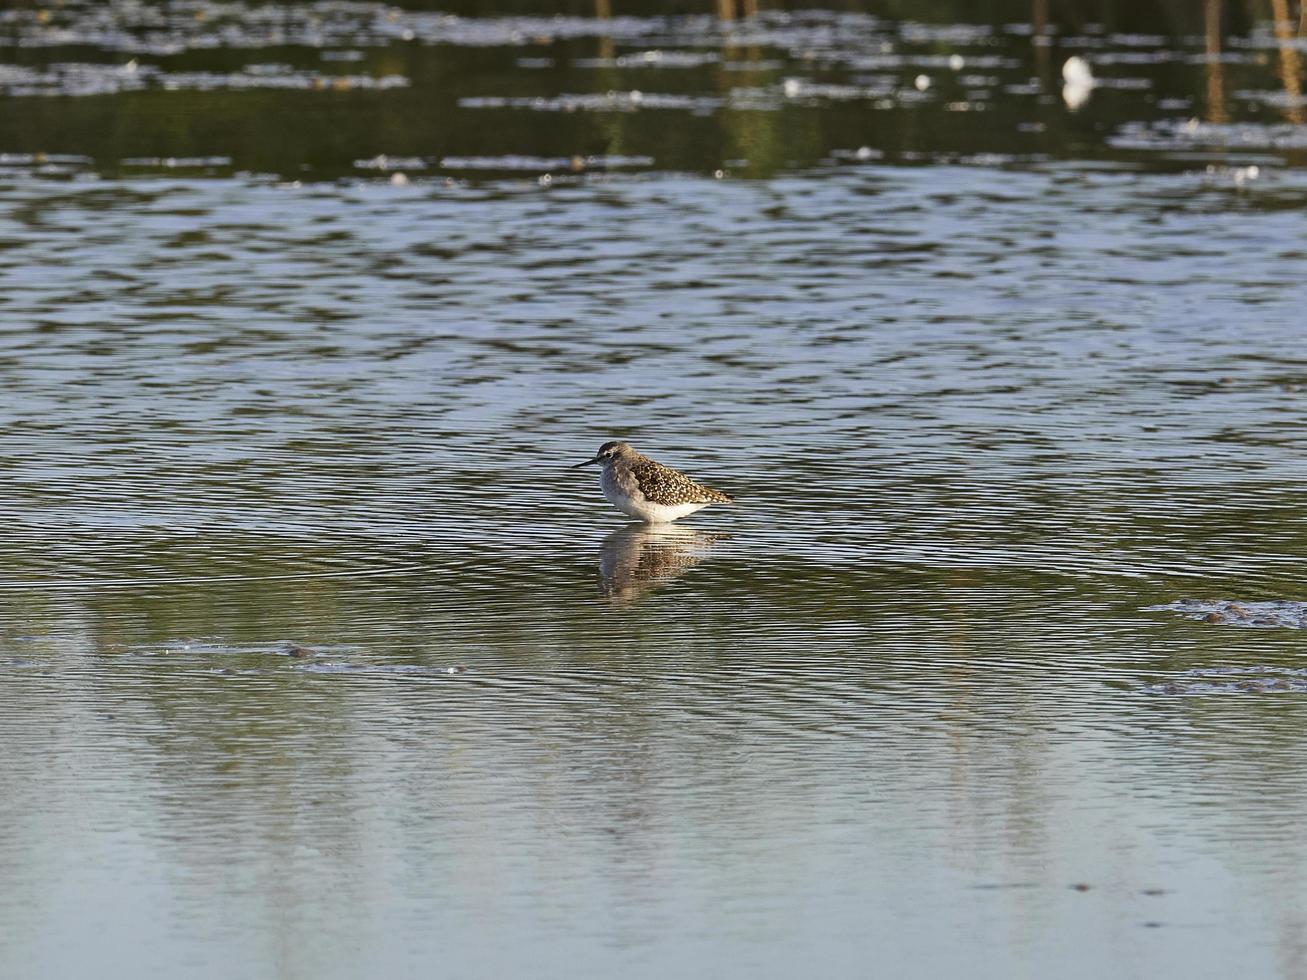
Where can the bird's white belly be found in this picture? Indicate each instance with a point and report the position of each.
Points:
(632, 502)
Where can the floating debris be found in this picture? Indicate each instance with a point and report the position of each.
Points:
(81, 80)
(1193, 134)
(1255, 679)
(203, 81)
(863, 154)
(46, 162)
(388, 163)
(343, 26)
(396, 670)
(797, 88)
(1276, 614)
(1077, 82)
(652, 59)
(176, 163)
(595, 102)
(537, 164)
(1243, 175)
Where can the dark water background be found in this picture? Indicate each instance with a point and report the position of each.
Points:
(315, 660)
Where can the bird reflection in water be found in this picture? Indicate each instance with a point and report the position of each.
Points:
(635, 560)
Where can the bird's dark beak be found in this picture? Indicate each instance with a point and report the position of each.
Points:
(577, 466)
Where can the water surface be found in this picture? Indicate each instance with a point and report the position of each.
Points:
(318, 661)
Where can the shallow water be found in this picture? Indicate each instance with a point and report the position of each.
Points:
(317, 659)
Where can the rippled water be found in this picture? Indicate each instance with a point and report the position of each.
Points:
(317, 660)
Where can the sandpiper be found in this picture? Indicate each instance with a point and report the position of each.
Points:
(646, 490)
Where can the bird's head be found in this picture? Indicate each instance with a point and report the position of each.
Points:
(608, 452)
